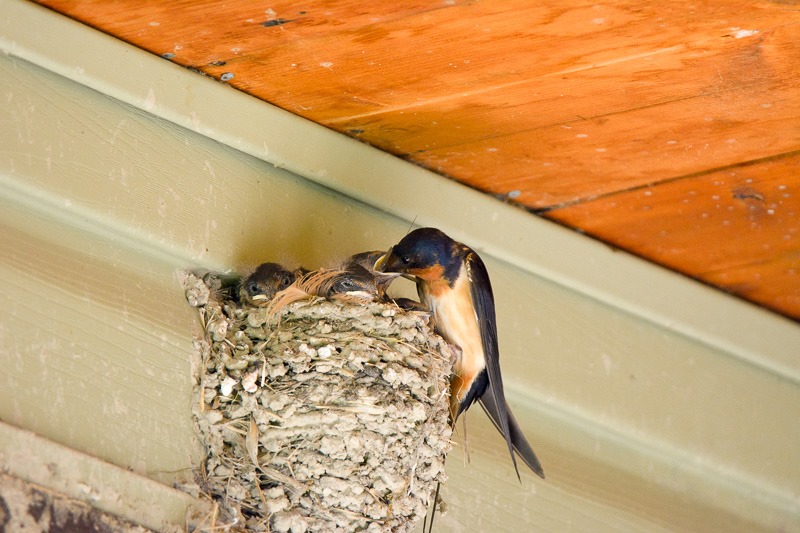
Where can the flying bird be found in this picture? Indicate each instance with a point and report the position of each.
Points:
(453, 283)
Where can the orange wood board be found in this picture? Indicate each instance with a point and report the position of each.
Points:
(747, 217)
(560, 107)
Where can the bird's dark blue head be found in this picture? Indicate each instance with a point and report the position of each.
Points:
(426, 253)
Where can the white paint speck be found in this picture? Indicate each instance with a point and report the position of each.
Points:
(738, 34)
(154, 23)
(582, 135)
(599, 20)
(150, 101)
(326, 64)
(601, 150)
(607, 363)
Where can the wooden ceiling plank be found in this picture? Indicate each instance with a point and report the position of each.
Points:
(331, 67)
(564, 100)
(474, 119)
(569, 163)
(198, 28)
(734, 228)
(775, 283)
(437, 59)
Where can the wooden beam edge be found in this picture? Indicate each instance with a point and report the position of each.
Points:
(674, 468)
(108, 487)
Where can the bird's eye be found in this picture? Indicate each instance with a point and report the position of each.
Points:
(252, 288)
(285, 281)
(405, 259)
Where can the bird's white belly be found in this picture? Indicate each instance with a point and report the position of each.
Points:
(456, 322)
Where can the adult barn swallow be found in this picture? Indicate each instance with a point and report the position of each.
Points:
(267, 280)
(453, 283)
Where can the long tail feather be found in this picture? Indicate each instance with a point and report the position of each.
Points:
(518, 440)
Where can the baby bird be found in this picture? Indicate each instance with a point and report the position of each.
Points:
(265, 282)
(365, 261)
(352, 284)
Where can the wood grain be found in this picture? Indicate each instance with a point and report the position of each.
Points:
(737, 228)
(548, 104)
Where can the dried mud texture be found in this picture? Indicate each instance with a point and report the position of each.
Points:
(324, 417)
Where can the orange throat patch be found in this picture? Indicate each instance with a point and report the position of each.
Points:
(431, 274)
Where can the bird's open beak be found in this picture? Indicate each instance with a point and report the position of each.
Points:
(382, 262)
(388, 264)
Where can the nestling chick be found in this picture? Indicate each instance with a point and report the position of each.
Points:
(268, 279)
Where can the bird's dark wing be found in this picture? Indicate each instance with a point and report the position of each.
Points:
(483, 302)
(518, 440)
(493, 400)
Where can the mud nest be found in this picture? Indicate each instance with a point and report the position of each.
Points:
(324, 416)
